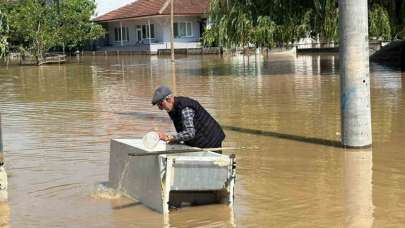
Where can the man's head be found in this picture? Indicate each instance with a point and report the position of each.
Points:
(164, 98)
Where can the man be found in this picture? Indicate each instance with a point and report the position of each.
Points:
(194, 125)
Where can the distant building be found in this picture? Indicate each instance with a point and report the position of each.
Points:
(144, 25)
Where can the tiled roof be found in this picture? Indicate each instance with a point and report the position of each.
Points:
(142, 8)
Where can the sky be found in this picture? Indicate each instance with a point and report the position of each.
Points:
(104, 6)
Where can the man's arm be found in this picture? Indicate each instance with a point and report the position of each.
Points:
(188, 123)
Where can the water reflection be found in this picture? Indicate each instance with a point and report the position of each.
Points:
(208, 216)
(238, 65)
(358, 188)
(128, 211)
(387, 101)
(316, 64)
(4, 215)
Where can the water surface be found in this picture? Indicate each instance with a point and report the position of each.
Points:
(58, 121)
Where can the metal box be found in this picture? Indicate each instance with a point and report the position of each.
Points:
(161, 181)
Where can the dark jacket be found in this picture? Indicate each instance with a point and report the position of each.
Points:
(208, 133)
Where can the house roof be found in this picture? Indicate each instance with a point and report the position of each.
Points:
(144, 8)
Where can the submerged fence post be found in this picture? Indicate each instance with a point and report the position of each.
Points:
(354, 73)
(1, 143)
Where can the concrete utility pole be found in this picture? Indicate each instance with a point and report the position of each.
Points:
(172, 29)
(354, 73)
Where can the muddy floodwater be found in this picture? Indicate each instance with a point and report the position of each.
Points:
(57, 122)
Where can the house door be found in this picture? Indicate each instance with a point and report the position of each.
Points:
(139, 35)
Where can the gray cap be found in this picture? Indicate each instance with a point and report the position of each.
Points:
(160, 93)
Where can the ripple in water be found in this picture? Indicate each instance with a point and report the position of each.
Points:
(104, 191)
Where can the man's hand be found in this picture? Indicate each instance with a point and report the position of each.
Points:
(167, 138)
(163, 136)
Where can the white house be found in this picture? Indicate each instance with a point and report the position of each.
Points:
(144, 25)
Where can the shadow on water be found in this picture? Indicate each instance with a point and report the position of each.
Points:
(134, 204)
(325, 142)
(143, 115)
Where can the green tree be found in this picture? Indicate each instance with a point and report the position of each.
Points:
(4, 29)
(401, 29)
(292, 20)
(379, 23)
(76, 28)
(232, 25)
(39, 25)
(263, 33)
(286, 21)
(35, 27)
(325, 20)
(261, 22)
(210, 37)
(396, 13)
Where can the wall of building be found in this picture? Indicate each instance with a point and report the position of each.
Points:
(161, 28)
(195, 21)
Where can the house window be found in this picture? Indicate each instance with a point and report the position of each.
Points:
(183, 29)
(125, 34)
(145, 31)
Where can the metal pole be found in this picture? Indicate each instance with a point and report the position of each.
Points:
(354, 74)
(172, 29)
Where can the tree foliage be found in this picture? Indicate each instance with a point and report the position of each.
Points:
(34, 24)
(263, 34)
(325, 20)
(379, 23)
(400, 31)
(75, 25)
(39, 25)
(271, 23)
(4, 29)
(396, 13)
(260, 22)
